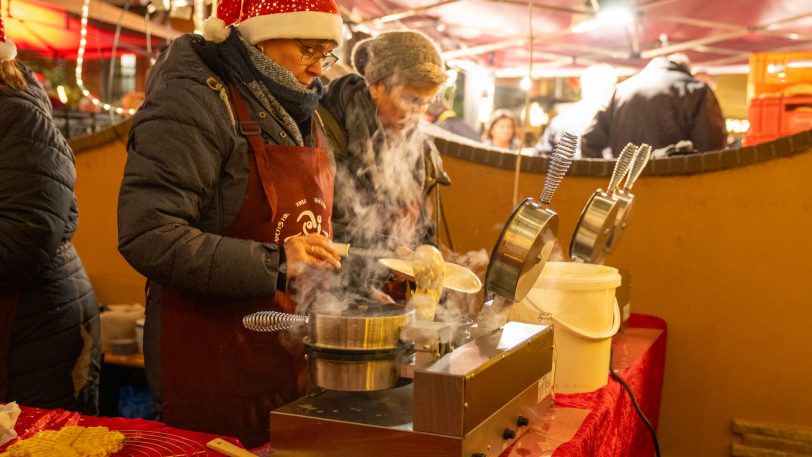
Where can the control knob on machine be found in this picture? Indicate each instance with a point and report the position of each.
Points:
(509, 434)
(479, 454)
(522, 421)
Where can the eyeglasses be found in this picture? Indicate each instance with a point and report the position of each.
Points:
(416, 103)
(311, 55)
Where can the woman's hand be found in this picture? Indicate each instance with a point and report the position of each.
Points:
(313, 249)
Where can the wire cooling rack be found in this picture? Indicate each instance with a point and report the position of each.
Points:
(148, 443)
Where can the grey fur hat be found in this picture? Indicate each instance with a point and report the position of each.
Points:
(411, 55)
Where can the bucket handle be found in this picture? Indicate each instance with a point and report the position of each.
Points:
(594, 336)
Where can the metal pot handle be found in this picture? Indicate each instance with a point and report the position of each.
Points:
(625, 159)
(273, 321)
(640, 161)
(559, 164)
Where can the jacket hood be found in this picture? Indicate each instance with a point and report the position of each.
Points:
(33, 93)
(179, 61)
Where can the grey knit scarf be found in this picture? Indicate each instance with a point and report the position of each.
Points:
(273, 85)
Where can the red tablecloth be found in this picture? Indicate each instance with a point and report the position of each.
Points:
(611, 427)
(145, 435)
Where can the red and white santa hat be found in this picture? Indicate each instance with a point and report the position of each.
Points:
(7, 49)
(260, 20)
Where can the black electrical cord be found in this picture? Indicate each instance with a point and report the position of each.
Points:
(651, 430)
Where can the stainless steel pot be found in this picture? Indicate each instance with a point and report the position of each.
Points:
(356, 349)
(528, 237)
(360, 327)
(598, 217)
(625, 198)
(593, 228)
(521, 250)
(355, 371)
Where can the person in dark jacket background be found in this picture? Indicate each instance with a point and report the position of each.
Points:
(660, 106)
(50, 354)
(439, 114)
(386, 167)
(226, 197)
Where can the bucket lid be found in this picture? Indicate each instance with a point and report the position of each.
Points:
(578, 276)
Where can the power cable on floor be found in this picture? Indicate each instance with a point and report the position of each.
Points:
(623, 383)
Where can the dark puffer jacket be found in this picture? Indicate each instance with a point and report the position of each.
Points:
(661, 105)
(52, 350)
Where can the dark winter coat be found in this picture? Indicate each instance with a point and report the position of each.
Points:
(184, 183)
(53, 348)
(660, 106)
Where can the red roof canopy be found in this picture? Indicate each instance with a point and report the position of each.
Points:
(52, 31)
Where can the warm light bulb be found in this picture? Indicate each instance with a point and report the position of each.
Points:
(526, 83)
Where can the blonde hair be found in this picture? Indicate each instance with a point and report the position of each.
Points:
(11, 76)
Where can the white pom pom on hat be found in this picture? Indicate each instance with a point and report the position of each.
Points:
(215, 29)
(260, 20)
(8, 51)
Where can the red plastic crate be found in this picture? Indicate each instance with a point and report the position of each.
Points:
(779, 116)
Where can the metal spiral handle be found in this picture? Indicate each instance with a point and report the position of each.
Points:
(639, 163)
(559, 164)
(272, 321)
(622, 166)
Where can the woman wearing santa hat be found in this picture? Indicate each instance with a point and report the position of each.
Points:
(49, 320)
(226, 203)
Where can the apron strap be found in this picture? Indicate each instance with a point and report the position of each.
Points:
(247, 126)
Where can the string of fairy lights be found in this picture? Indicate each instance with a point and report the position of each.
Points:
(199, 13)
(80, 58)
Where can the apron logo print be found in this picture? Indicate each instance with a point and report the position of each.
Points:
(312, 224)
(279, 226)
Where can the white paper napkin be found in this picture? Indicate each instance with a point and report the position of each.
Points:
(8, 418)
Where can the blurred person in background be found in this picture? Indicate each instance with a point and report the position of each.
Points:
(386, 167)
(503, 130)
(597, 83)
(225, 207)
(50, 354)
(439, 114)
(660, 106)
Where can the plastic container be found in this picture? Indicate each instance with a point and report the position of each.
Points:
(774, 117)
(774, 71)
(581, 299)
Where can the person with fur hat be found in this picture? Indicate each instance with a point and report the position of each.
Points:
(225, 207)
(50, 352)
(385, 166)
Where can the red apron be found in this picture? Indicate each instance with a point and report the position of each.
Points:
(216, 376)
(8, 309)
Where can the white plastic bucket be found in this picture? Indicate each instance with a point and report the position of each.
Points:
(580, 299)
